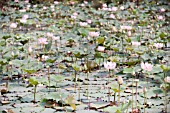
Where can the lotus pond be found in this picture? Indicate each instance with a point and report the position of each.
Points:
(72, 57)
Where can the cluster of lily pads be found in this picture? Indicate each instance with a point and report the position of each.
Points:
(82, 59)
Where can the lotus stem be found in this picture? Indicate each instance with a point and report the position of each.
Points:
(132, 94)
(145, 101)
(35, 88)
(119, 96)
(49, 77)
(165, 98)
(79, 93)
(136, 93)
(75, 80)
(115, 97)
(109, 87)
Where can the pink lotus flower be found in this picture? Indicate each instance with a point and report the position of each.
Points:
(104, 5)
(50, 34)
(22, 20)
(114, 29)
(105, 8)
(101, 48)
(122, 8)
(167, 79)
(112, 16)
(85, 2)
(75, 14)
(82, 5)
(42, 41)
(146, 66)
(74, 17)
(89, 21)
(56, 38)
(160, 17)
(56, 2)
(94, 34)
(44, 58)
(25, 16)
(16, 0)
(26, 1)
(83, 24)
(136, 43)
(72, 3)
(126, 27)
(120, 80)
(162, 10)
(109, 65)
(22, 10)
(129, 33)
(52, 6)
(13, 25)
(44, 7)
(144, 89)
(114, 9)
(29, 49)
(158, 45)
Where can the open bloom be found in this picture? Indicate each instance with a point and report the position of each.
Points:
(146, 66)
(16, 0)
(83, 24)
(126, 27)
(42, 41)
(112, 16)
(167, 79)
(122, 7)
(104, 5)
(74, 16)
(22, 20)
(136, 43)
(160, 17)
(110, 65)
(162, 10)
(25, 16)
(94, 34)
(158, 45)
(56, 38)
(101, 48)
(13, 25)
(44, 57)
(89, 21)
(114, 9)
(86, 2)
(129, 33)
(50, 34)
(56, 2)
(120, 80)
(22, 10)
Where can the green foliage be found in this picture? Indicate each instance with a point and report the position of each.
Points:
(33, 81)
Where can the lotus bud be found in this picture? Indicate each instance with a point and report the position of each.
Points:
(129, 33)
(133, 73)
(13, 25)
(12, 53)
(167, 79)
(29, 49)
(120, 80)
(10, 63)
(101, 48)
(144, 89)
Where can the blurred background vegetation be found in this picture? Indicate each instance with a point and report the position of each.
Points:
(96, 3)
